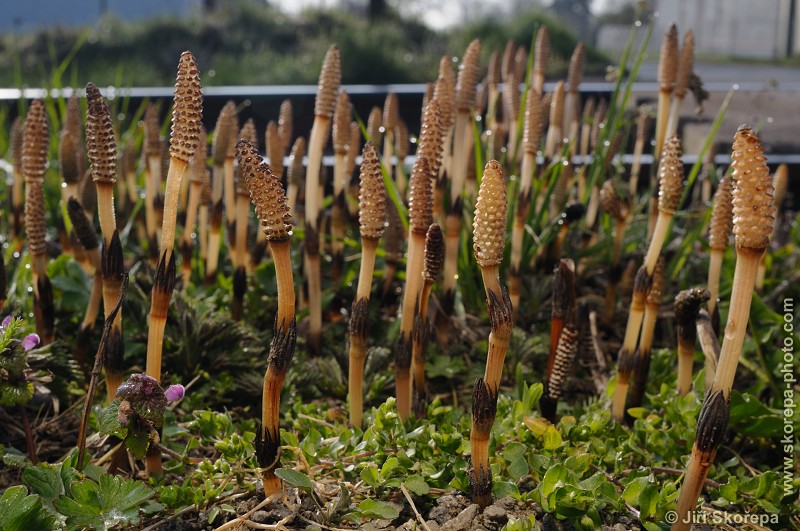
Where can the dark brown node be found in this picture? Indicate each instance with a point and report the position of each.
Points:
(402, 352)
(281, 349)
(358, 318)
(713, 421)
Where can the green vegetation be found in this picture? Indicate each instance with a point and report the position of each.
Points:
(247, 44)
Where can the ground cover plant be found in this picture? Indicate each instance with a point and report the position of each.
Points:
(302, 372)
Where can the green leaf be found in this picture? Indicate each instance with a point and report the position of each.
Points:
(514, 451)
(111, 502)
(388, 467)
(553, 479)
(634, 489)
(730, 489)
(137, 445)
(44, 480)
(637, 412)
(551, 439)
(648, 501)
(378, 509)
(22, 512)
(518, 468)
(503, 489)
(417, 485)
(108, 423)
(370, 476)
(295, 479)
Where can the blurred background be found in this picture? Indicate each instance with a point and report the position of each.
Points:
(253, 43)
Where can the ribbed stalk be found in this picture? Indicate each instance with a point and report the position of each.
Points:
(641, 366)
(683, 74)
(187, 111)
(573, 97)
(358, 331)
(754, 217)
(541, 59)
(719, 234)
(667, 71)
(420, 218)
(328, 87)
(531, 137)
(17, 192)
(268, 196)
(85, 232)
(35, 145)
(372, 221)
(489, 242)
(341, 177)
(434, 258)
(295, 175)
(101, 146)
(462, 151)
(638, 150)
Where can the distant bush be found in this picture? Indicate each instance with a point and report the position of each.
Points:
(244, 43)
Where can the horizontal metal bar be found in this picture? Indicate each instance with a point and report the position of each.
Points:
(277, 91)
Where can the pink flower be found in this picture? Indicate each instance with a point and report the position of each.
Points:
(30, 341)
(6, 322)
(174, 392)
